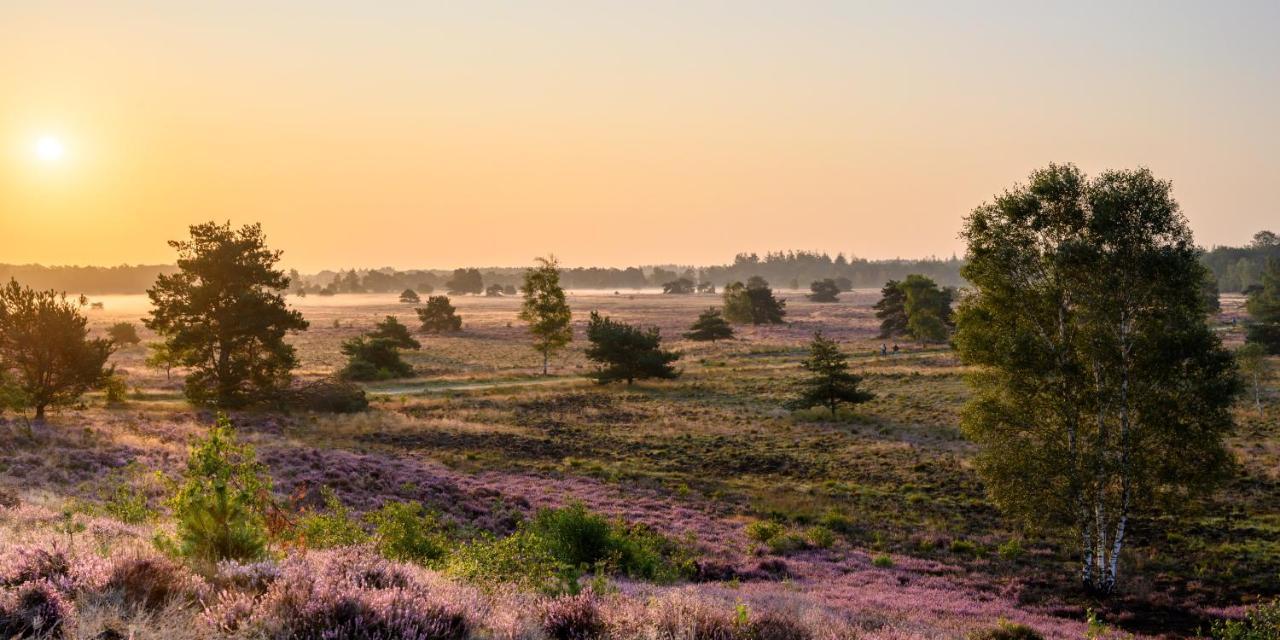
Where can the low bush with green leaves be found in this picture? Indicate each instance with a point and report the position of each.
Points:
(1261, 623)
(408, 532)
(334, 526)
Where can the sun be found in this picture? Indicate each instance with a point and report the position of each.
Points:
(49, 149)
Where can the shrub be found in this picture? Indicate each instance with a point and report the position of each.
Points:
(520, 559)
(438, 316)
(820, 537)
(219, 505)
(405, 531)
(34, 610)
(148, 582)
(1005, 630)
(115, 389)
(964, 547)
(332, 527)
(1261, 623)
(328, 396)
(764, 531)
(573, 618)
(1011, 549)
(129, 505)
(123, 333)
(374, 358)
(35, 565)
(883, 560)
(580, 539)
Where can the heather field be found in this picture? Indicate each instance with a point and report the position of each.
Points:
(776, 524)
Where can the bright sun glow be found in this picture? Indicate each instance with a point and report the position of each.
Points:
(49, 149)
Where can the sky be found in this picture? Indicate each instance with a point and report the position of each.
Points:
(442, 134)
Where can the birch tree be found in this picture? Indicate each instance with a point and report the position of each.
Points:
(1100, 392)
(546, 310)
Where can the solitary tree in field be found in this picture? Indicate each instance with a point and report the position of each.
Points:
(1099, 391)
(45, 349)
(710, 325)
(398, 334)
(409, 296)
(824, 291)
(438, 316)
(223, 313)
(1252, 358)
(829, 383)
(627, 352)
(123, 333)
(545, 309)
(1264, 310)
(752, 303)
(916, 307)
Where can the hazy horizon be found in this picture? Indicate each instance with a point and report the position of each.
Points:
(409, 135)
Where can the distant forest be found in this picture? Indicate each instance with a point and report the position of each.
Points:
(1236, 268)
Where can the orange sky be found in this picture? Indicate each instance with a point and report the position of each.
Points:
(610, 133)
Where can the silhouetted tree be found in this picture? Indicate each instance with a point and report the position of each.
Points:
(391, 329)
(829, 383)
(1209, 292)
(45, 349)
(678, 286)
(710, 325)
(494, 290)
(438, 316)
(1264, 310)
(753, 303)
(891, 309)
(409, 296)
(465, 281)
(545, 309)
(123, 333)
(162, 357)
(1098, 387)
(223, 313)
(626, 352)
(825, 290)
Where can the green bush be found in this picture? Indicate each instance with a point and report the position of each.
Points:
(883, 560)
(407, 532)
(332, 527)
(821, 537)
(580, 539)
(1261, 623)
(520, 559)
(1011, 549)
(764, 531)
(220, 502)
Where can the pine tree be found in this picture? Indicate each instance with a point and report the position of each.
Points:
(409, 296)
(223, 313)
(824, 291)
(546, 310)
(398, 334)
(439, 316)
(627, 352)
(710, 325)
(830, 383)
(891, 310)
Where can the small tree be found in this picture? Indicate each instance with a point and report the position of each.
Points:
(545, 309)
(752, 303)
(373, 358)
(46, 349)
(409, 296)
(1252, 358)
(438, 316)
(1264, 310)
(710, 325)
(679, 286)
(493, 291)
(220, 505)
(830, 383)
(224, 314)
(397, 334)
(123, 333)
(824, 291)
(627, 352)
(162, 357)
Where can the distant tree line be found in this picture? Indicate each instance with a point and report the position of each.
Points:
(1239, 268)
